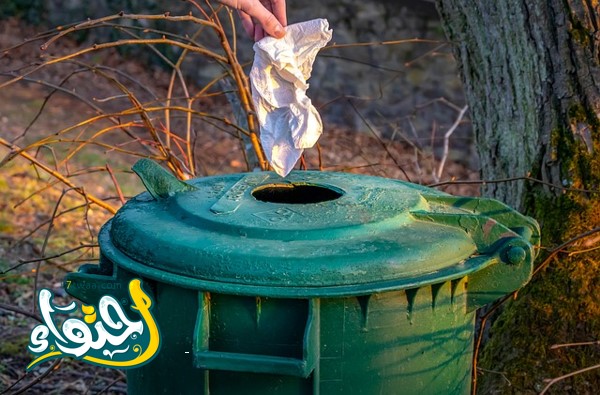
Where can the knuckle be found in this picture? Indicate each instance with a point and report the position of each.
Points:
(270, 20)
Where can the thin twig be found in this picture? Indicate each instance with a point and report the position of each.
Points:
(46, 258)
(442, 100)
(376, 43)
(436, 48)
(502, 374)
(557, 379)
(90, 383)
(586, 250)
(511, 179)
(556, 346)
(52, 183)
(21, 311)
(116, 184)
(173, 164)
(98, 23)
(90, 140)
(244, 93)
(177, 73)
(44, 245)
(320, 156)
(55, 365)
(114, 44)
(10, 387)
(42, 224)
(109, 385)
(383, 145)
(60, 253)
(479, 339)
(451, 130)
(112, 118)
(57, 175)
(564, 245)
(41, 109)
(362, 62)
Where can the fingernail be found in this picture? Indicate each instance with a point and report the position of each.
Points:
(279, 31)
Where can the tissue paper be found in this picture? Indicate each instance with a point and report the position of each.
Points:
(289, 122)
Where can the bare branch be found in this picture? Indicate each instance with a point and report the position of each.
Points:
(457, 122)
(51, 369)
(557, 379)
(99, 22)
(116, 183)
(511, 179)
(393, 42)
(383, 145)
(57, 175)
(19, 310)
(557, 346)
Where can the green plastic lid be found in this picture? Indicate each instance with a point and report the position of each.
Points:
(310, 234)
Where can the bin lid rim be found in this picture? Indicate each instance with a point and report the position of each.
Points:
(451, 272)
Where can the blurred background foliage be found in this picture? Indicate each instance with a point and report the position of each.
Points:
(394, 86)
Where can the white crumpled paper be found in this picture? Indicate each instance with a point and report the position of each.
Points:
(289, 122)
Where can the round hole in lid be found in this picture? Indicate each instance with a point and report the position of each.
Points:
(296, 193)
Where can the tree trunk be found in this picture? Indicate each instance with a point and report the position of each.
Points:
(531, 72)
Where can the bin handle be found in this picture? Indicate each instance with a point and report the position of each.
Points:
(506, 238)
(253, 363)
(158, 182)
(92, 281)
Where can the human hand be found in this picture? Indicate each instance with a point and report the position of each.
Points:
(260, 17)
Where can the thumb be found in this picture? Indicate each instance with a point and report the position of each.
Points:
(263, 17)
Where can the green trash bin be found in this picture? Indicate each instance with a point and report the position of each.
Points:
(318, 283)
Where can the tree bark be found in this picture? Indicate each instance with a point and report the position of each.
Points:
(531, 74)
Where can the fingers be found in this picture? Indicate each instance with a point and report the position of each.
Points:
(278, 9)
(247, 23)
(254, 31)
(259, 33)
(267, 20)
